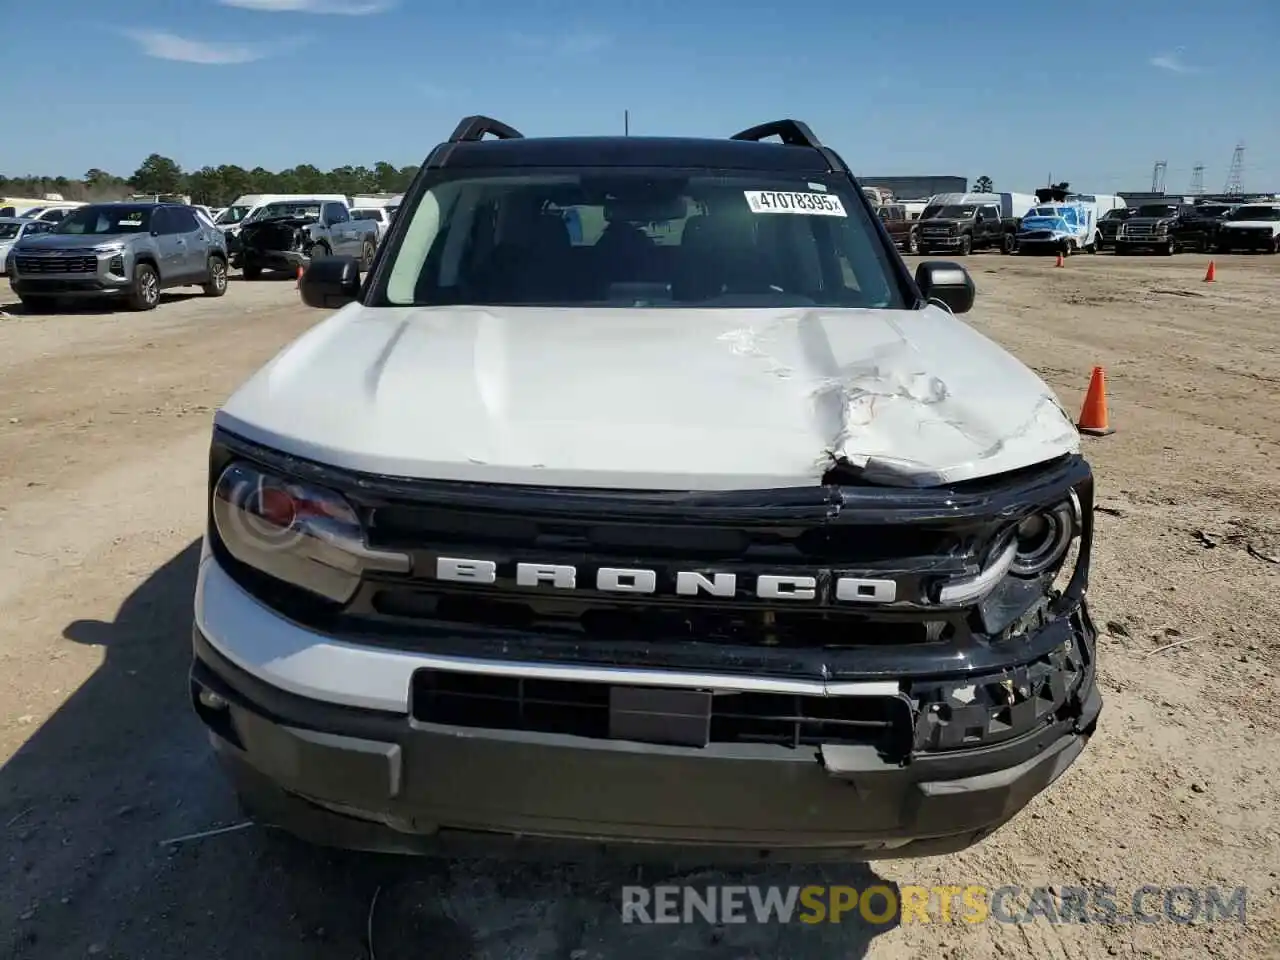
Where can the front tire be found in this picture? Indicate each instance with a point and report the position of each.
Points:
(913, 244)
(966, 246)
(366, 256)
(145, 292)
(317, 251)
(1169, 249)
(217, 284)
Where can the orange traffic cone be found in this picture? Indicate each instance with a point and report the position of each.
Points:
(1211, 274)
(1061, 261)
(1093, 416)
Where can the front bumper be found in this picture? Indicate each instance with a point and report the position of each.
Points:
(377, 778)
(102, 285)
(1245, 239)
(272, 259)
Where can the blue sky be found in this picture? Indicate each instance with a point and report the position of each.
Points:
(924, 87)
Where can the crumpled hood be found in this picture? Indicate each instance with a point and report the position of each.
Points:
(652, 399)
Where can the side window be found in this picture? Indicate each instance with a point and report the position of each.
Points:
(336, 213)
(161, 223)
(183, 220)
(992, 214)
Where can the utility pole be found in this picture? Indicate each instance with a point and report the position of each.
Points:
(1157, 176)
(626, 123)
(1197, 180)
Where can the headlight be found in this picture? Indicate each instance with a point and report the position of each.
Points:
(296, 532)
(1036, 546)
(1042, 539)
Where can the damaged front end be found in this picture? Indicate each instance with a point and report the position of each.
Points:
(968, 599)
(276, 244)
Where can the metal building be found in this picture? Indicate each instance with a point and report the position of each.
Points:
(918, 188)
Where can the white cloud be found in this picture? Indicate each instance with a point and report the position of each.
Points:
(572, 44)
(346, 8)
(170, 46)
(1172, 62)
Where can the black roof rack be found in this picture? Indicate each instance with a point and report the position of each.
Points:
(791, 132)
(475, 128)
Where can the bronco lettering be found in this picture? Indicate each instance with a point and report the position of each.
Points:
(687, 583)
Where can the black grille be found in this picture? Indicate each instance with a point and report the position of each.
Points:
(583, 709)
(46, 265)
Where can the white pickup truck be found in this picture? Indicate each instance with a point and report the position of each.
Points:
(288, 234)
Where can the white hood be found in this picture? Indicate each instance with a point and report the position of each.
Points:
(652, 399)
(1271, 226)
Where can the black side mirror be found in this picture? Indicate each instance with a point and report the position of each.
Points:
(330, 282)
(948, 282)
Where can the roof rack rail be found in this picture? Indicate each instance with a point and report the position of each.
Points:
(475, 128)
(791, 132)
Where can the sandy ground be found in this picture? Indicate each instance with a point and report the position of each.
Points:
(104, 421)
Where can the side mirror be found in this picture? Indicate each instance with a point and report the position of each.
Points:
(330, 282)
(947, 282)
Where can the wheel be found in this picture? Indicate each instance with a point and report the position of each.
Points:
(38, 304)
(1169, 249)
(251, 271)
(217, 284)
(317, 250)
(366, 256)
(913, 244)
(966, 245)
(1007, 243)
(145, 292)
(1121, 250)
(1275, 245)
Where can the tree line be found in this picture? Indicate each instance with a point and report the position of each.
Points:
(214, 186)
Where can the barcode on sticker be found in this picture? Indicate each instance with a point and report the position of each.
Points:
(807, 204)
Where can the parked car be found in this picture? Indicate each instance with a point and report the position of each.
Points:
(288, 234)
(1152, 227)
(380, 216)
(1197, 226)
(14, 229)
(961, 228)
(903, 230)
(718, 531)
(1066, 228)
(1109, 226)
(126, 250)
(1253, 226)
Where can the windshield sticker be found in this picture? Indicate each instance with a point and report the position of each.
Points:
(131, 222)
(805, 204)
(820, 187)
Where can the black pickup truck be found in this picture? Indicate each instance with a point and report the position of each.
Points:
(1109, 226)
(961, 228)
(1197, 228)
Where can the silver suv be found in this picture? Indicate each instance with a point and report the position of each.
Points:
(127, 250)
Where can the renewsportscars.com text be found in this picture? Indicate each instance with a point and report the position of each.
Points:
(972, 903)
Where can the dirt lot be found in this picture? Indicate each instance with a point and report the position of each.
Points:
(103, 430)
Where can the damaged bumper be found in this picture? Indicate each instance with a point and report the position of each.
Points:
(570, 758)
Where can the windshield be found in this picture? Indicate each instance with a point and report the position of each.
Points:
(287, 208)
(232, 215)
(9, 230)
(1118, 214)
(1157, 210)
(1257, 213)
(642, 239)
(951, 212)
(107, 220)
(363, 214)
(1044, 212)
(1209, 210)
